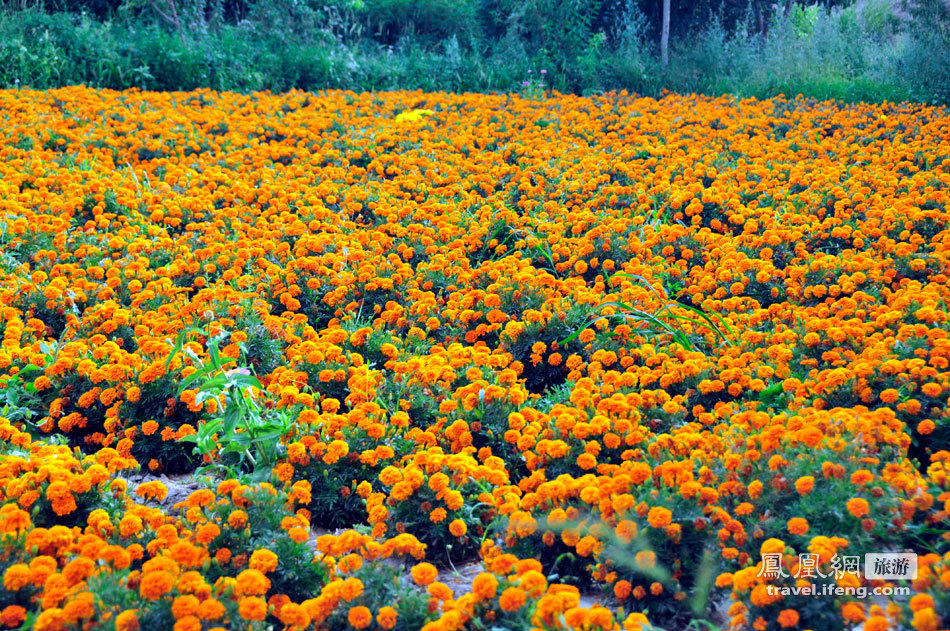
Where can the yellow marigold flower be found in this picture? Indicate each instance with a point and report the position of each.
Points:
(772, 546)
(921, 601)
(925, 620)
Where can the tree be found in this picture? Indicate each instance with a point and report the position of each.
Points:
(169, 13)
(763, 11)
(665, 35)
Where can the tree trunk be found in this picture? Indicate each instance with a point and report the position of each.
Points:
(665, 35)
(171, 17)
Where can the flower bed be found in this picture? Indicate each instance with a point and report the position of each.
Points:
(603, 345)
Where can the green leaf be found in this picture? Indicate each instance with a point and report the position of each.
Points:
(213, 353)
(269, 436)
(215, 383)
(193, 377)
(246, 381)
(204, 395)
(233, 447)
(209, 428)
(176, 348)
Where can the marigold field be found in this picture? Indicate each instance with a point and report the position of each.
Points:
(613, 349)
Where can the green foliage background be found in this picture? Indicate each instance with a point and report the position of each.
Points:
(853, 50)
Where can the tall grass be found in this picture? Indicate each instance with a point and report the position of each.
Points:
(860, 53)
(850, 54)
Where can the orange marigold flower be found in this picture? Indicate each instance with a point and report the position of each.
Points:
(853, 612)
(877, 623)
(921, 601)
(186, 605)
(755, 489)
(660, 517)
(237, 519)
(484, 586)
(12, 616)
(890, 395)
(386, 618)
(798, 526)
(458, 528)
(359, 617)
(52, 619)
(925, 620)
(858, 507)
(211, 609)
(252, 582)
(931, 389)
(805, 484)
(787, 618)
(586, 461)
(351, 589)
(152, 490)
(188, 623)
(772, 546)
(294, 616)
(263, 560)
(154, 585)
(636, 621)
(253, 608)
(622, 589)
(424, 573)
(512, 599)
(16, 577)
